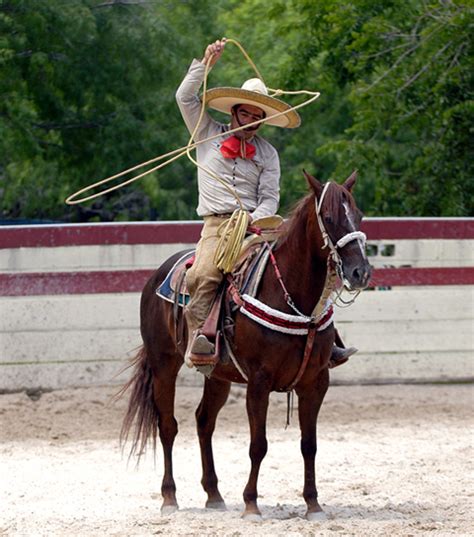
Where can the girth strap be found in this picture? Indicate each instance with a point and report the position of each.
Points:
(306, 356)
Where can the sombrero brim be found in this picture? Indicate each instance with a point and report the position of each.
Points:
(223, 99)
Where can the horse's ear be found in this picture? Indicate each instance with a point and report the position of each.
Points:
(350, 181)
(316, 186)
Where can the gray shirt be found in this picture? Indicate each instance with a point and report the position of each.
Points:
(256, 180)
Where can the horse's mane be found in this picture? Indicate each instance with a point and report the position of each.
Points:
(299, 213)
(296, 218)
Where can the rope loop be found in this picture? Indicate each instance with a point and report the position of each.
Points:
(170, 157)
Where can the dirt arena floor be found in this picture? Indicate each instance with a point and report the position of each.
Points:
(392, 461)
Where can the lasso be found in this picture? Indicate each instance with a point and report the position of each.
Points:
(232, 231)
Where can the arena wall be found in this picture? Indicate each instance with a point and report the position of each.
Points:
(69, 301)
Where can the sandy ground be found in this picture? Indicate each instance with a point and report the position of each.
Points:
(392, 460)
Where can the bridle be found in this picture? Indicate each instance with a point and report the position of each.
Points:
(328, 243)
(323, 312)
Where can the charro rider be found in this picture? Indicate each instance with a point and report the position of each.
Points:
(247, 162)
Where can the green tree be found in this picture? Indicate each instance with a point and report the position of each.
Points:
(396, 85)
(88, 90)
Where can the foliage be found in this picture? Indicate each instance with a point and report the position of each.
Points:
(88, 90)
(396, 84)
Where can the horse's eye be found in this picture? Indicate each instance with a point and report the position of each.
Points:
(328, 219)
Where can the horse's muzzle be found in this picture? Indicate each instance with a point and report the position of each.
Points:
(358, 276)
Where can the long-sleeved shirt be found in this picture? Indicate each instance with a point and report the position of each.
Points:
(256, 180)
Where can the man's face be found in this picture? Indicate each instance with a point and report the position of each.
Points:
(244, 114)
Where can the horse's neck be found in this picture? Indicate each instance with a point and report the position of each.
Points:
(303, 264)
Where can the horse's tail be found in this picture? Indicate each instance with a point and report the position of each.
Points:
(141, 410)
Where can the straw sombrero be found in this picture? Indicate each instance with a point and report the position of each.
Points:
(253, 92)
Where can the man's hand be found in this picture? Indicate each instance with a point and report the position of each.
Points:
(214, 51)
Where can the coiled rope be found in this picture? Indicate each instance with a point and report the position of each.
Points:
(232, 231)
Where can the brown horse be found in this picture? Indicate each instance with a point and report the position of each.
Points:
(271, 359)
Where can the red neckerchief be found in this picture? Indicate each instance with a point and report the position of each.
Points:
(234, 147)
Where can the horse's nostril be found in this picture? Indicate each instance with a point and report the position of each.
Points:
(356, 274)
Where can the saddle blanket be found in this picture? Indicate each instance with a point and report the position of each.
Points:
(168, 289)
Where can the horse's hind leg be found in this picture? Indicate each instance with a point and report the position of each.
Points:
(164, 387)
(213, 399)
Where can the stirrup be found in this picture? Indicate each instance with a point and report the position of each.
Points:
(203, 351)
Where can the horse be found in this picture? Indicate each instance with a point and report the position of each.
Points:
(317, 230)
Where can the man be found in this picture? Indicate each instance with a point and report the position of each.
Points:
(244, 161)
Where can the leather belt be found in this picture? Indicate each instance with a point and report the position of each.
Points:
(221, 215)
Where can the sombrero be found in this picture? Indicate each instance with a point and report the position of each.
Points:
(254, 92)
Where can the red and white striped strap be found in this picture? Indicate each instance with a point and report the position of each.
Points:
(284, 322)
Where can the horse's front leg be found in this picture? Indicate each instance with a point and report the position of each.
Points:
(213, 399)
(258, 393)
(310, 399)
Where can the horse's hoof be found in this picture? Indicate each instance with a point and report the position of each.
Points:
(252, 517)
(168, 510)
(217, 506)
(316, 516)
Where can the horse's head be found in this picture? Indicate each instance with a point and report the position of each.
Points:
(339, 222)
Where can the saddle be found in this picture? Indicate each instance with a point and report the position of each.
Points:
(246, 277)
(245, 274)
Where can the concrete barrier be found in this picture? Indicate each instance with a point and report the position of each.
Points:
(69, 306)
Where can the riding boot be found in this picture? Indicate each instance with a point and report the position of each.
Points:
(340, 356)
(339, 353)
(198, 345)
(199, 351)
